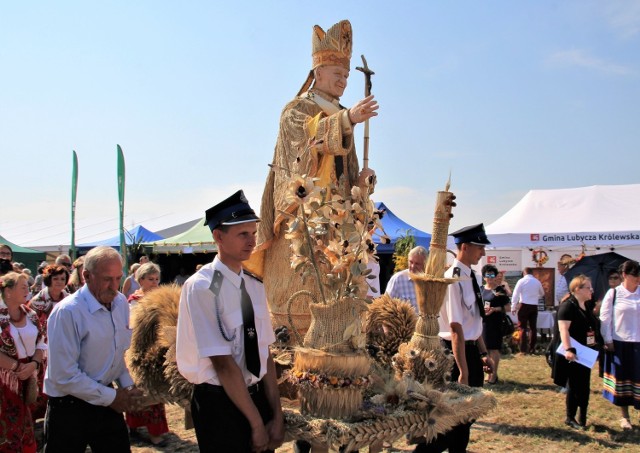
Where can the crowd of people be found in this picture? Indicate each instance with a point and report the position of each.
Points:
(79, 382)
(610, 326)
(66, 330)
(60, 360)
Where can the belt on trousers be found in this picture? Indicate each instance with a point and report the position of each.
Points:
(252, 389)
(69, 400)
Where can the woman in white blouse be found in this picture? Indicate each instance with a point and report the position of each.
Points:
(620, 317)
(21, 352)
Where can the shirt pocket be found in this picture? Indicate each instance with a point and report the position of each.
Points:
(263, 324)
(231, 323)
(123, 338)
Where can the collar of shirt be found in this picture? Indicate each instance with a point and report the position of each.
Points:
(621, 291)
(234, 278)
(92, 303)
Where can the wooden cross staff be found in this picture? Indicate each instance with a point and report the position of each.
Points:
(367, 91)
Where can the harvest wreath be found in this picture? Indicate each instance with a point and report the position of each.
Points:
(539, 257)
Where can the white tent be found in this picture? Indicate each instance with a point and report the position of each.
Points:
(596, 216)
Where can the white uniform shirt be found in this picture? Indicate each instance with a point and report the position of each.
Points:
(460, 305)
(198, 333)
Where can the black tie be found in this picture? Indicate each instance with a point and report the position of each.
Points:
(251, 354)
(476, 289)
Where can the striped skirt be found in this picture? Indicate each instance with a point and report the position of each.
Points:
(622, 374)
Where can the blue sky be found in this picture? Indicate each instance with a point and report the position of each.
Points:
(508, 96)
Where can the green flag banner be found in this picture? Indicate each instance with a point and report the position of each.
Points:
(123, 245)
(74, 193)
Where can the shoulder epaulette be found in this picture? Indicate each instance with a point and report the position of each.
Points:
(456, 272)
(252, 275)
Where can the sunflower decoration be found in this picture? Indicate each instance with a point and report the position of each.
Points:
(300, 190)
(330, 236)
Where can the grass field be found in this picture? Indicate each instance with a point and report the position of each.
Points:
(529, 418)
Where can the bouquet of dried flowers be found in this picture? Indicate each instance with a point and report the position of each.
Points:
(330, 237)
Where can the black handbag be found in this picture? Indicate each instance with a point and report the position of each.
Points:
(506, 325)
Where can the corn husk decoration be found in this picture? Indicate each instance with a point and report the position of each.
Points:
(431, 287)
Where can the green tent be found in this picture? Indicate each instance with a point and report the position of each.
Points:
(197, 239)
(31, 258)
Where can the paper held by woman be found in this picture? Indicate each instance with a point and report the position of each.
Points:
(584, 356)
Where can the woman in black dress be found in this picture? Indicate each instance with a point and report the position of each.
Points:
(576, 323)
(496, 305)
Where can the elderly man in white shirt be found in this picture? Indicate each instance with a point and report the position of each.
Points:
(88, 336)
(400, 286)
(524, 302)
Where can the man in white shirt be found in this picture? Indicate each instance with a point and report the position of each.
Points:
(460, 324)
(400, 286)
(524, 302)
(223, 337)
(88, 336)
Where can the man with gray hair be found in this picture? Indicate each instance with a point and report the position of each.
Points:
(400, 286)
(64, 260)
(88, 335)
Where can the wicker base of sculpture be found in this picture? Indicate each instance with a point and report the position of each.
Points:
(331, 370)
(434, 416)
(330, 383)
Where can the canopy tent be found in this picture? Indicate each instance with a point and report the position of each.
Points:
(136, 235)
(29, 257)
(600, 216)
(197, 239)
(396, 228)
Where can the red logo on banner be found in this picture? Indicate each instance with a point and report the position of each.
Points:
(492, 259)
(535, 237)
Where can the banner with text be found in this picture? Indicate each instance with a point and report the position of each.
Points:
(504, 260)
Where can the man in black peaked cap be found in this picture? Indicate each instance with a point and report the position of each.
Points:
(461, 328)
(223, 337)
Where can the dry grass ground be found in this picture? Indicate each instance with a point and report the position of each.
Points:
(529, 418)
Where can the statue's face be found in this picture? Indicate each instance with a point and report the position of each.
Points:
(332, 80)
